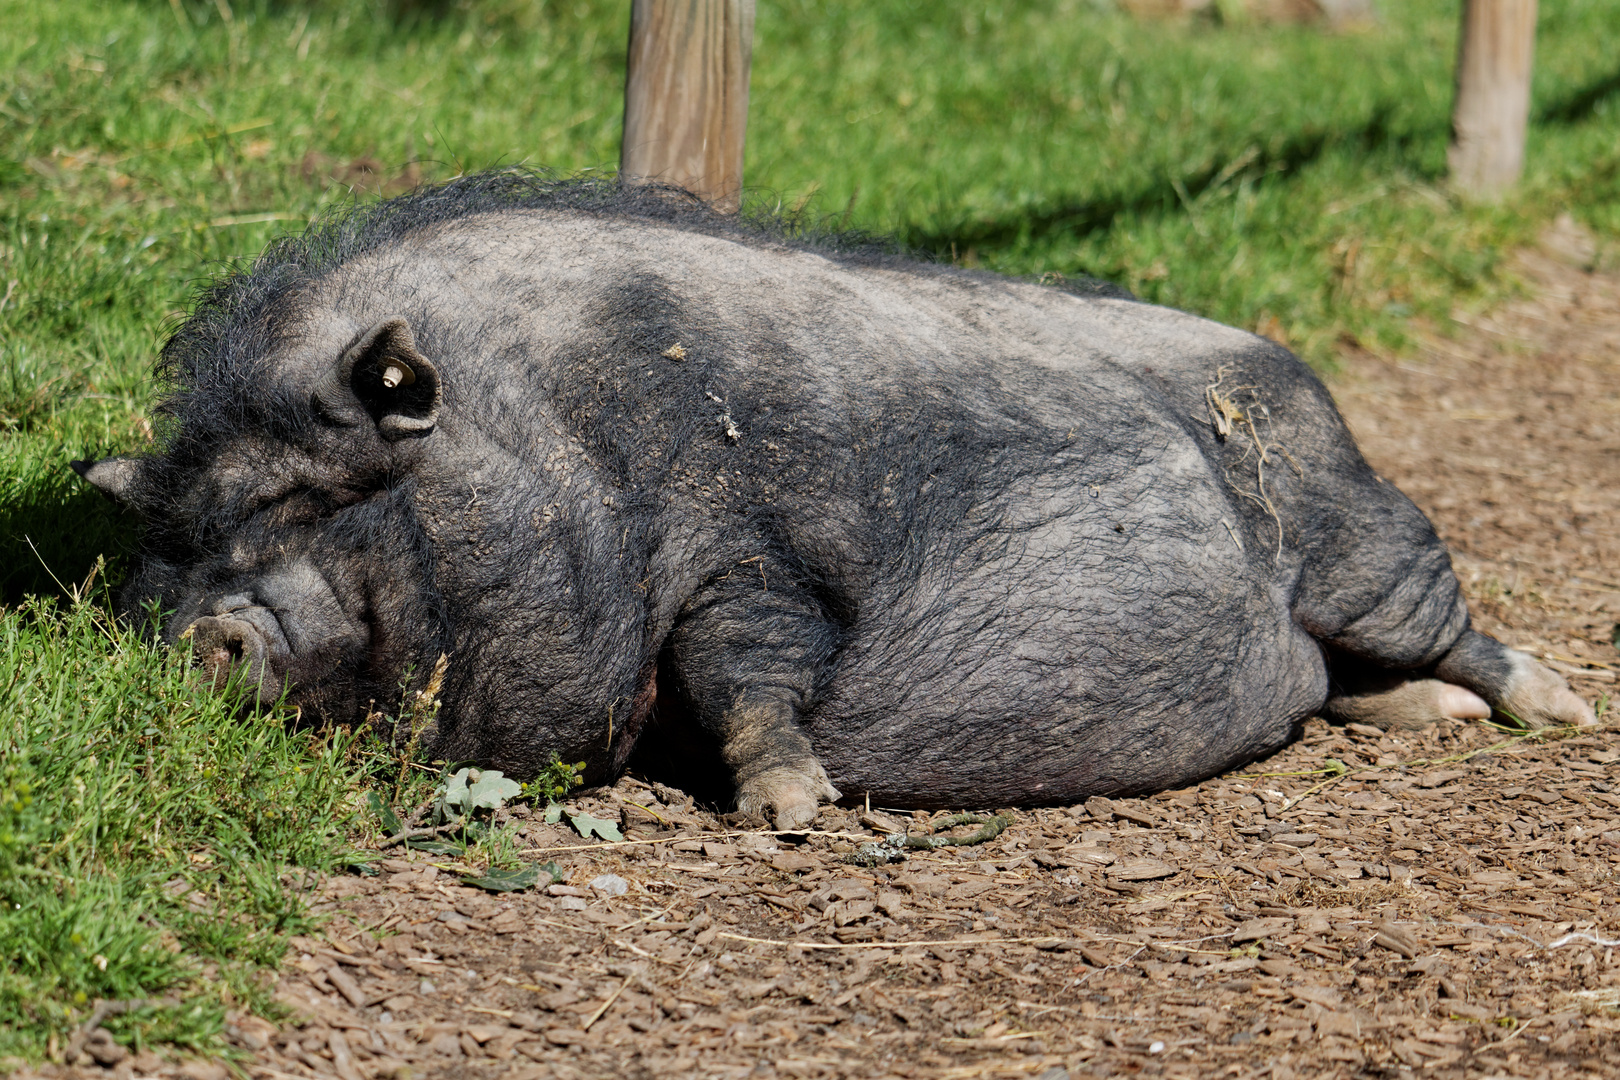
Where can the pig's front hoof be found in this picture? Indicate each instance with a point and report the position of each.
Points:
(1537, 696)
(1409, 705)
(789, 795)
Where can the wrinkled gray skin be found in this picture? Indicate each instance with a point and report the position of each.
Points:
(885, 528)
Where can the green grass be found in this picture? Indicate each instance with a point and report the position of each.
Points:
(152, 844)
(1268, 176)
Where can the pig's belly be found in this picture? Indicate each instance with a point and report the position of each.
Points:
(1095, 653)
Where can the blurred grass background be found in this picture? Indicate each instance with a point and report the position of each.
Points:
(1279, 177)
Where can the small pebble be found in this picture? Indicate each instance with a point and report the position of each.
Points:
(611, 884)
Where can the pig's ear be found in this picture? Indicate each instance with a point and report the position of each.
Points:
(385, 377)
(114, 477)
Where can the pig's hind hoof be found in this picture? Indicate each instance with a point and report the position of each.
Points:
(1407, 705)
(789, 795)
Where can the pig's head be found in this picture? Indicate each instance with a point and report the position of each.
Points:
(281, 537)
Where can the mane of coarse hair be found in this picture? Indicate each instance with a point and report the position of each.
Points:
(233, 319)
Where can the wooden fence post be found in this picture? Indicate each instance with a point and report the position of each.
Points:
(1493, 95)
(686, 95)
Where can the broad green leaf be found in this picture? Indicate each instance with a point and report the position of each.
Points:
(491, 789)
(588, 825)
(527, 875)
(455, 788)
(475, 789)
(523, 877)
(554, 813)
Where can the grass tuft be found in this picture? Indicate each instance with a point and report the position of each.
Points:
(153, 842)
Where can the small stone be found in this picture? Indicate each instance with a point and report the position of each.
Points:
(610, 884)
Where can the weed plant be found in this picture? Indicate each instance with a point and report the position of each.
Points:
(1275, 177)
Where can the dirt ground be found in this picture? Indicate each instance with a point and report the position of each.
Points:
(1444, 908)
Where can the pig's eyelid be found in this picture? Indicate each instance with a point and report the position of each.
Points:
(276, 497)
(322, 503)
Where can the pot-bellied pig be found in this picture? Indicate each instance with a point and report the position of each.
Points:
(868, 525)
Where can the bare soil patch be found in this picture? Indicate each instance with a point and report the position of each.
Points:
(1445, 907)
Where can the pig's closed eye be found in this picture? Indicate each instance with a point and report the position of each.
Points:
(305, 506)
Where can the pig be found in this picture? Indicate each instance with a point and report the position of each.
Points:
(860, 524)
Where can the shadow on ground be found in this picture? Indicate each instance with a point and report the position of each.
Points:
(53, 528)
(1168, 194)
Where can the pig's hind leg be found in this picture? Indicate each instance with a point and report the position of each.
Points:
(1414, 660)
(1363, 693)
(1374, 584)
(1515, 684)
(1382, 599)
(1478, 678)
(748, 661)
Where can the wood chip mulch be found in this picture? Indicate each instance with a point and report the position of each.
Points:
(1443, 908)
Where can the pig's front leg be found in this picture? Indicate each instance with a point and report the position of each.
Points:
(773, 764)
(749, 658)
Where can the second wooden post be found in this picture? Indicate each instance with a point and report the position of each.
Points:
(686, 95)
(1492, 106)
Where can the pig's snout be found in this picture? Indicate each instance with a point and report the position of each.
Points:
(280, 633)
(246, 639)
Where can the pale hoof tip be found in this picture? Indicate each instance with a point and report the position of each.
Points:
(790, 796)
(1457, 703)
